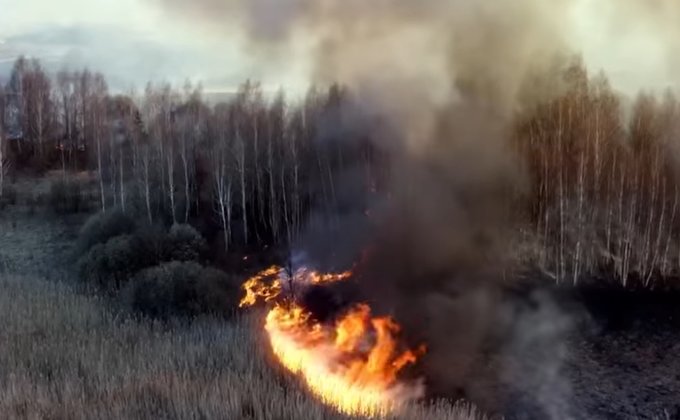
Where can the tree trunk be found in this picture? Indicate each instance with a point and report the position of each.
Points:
(101, 175)
(147, 187)
(122, 179)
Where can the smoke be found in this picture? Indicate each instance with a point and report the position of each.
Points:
(540, 328)
(423, 51)
(444, 76)
(640, 38)
(486, 45)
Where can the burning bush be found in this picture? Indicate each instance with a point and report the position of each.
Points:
(351, 361)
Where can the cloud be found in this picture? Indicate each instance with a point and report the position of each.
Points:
(129, 41)
(635, 41)
(127, 58)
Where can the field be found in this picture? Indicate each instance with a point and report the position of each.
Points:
(68, 353)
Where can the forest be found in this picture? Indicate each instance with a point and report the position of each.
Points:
(599, 195)
(512, 235)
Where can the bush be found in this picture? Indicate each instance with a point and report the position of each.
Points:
(181, 288)
(103, 226)
(92, 265)
(184, 243)
(9, 195)
(112, 264)
(153, 242)
(66, 197)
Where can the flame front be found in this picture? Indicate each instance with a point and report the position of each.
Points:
(351, 364)
(256, 288)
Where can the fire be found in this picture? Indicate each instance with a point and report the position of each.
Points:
(255, 287)
(351, 364)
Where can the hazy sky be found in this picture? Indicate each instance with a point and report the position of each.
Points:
(134, 41)
(130, 41)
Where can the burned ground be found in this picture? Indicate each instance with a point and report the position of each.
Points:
(582, 353)
(546, 352)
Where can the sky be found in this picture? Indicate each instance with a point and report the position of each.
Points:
(135, 41)
(131, 42)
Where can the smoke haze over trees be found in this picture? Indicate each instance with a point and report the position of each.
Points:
(589, 185)
(582, 182)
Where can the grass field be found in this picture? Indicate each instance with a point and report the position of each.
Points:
(70, 354)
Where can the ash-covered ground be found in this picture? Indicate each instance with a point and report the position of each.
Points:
(553, 352)
(584, 353)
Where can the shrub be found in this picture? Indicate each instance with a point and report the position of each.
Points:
(91, 266)
(111, 264)
(103, 226)
(181, 288)
(66, 197)
(184, 243)
(9, 195)
(153, 245)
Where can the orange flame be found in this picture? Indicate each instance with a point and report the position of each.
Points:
(256, 288)
(351, 365)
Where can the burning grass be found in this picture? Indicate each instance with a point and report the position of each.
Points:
(68, 356)
(352, 363)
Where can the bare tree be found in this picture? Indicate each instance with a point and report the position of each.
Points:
(221, 168)
(66, 104)
(3, 161)
(39, 106)
(94, 107)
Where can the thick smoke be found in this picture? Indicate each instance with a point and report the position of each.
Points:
(485, 44)
(653, 25)
(445, 76)
(403, 53)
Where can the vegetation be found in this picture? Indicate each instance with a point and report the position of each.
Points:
(112, 264)
(69, 355)
(104, 226)
(157, 272)
(184, 243)
(66, 197)
(602, 198)
(604, 192)
(182, 288)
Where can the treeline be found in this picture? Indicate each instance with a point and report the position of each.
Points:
(603, 196)
(604, 182)
(252, 166)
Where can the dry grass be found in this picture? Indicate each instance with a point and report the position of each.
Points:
(66, 355)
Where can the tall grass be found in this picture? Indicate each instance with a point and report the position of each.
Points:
(68, 355)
